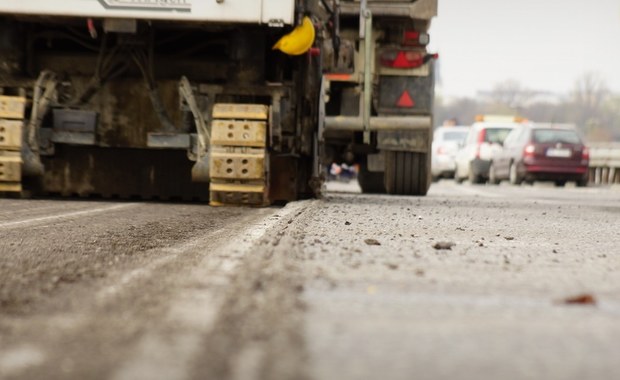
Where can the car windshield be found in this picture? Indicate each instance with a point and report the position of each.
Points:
(454, 135)
(496, 135)
(553, 136)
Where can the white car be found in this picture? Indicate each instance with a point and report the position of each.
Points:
(484, 138)
(446, 142)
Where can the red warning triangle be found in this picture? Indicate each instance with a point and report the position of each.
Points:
(405, 100)
(401, 60)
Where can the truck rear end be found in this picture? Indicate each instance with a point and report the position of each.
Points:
(380, 91)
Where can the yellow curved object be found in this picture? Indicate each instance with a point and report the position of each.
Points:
(299, 40)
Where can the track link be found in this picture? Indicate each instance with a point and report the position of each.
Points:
(238, 155)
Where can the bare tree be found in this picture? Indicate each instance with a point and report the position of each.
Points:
(590, 91)
(588, 96)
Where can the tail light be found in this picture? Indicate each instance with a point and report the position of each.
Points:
(415, 38)
(402, 59)
(585, 154)
(529, 150)
(482, 134)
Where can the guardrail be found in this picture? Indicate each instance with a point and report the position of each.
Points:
(604, 163)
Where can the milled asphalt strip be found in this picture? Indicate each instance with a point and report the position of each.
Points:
(167, 354)
(19, 223)
(109, 292)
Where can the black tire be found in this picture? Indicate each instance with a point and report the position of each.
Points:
(493, 180)
(474, 179)
(370, 182)
(407, 173)
(560, 183)
(582, 183)
(514, 177)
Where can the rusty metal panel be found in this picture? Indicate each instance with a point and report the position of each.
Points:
(10, 168)
(418, 9)
(240, 111)
(419, 88)
(10, 134)
(408, 141)
(239, 133)
(12, 107)
(238, 165)
(73, 138)
(168, 140)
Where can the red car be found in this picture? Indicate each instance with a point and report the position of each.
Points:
(541, 152)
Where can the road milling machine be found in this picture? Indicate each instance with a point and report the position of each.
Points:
(231, 101)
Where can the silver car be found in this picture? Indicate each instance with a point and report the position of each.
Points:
(446, 142)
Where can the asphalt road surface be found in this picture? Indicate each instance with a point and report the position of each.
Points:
(470, 282)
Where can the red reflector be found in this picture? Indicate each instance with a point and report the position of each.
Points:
(314, 52)
(405, 100)
(415, 38)
(402, 59)
(407, 60)
(410, 37)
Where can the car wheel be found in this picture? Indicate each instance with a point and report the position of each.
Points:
(514, 175)
(493, 180)
(582, 183)
(560, 183)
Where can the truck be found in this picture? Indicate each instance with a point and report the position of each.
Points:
(241, 102)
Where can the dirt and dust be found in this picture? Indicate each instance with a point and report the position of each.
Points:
(349, 287)
(487, 308)
(40, 256)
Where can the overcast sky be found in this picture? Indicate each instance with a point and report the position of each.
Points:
(543, 44)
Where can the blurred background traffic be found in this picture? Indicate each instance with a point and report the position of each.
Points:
(534, 61)
(532, 66)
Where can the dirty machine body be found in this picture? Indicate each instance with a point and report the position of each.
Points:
(231, 101)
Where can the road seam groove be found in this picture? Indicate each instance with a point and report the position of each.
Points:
(166, 354)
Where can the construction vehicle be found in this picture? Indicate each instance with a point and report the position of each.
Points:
(234, 101)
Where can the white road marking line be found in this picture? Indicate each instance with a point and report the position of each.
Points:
(18, 359)
(64, 216)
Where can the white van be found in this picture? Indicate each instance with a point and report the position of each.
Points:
(484, 138)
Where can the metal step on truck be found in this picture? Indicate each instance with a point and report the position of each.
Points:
(231, 101)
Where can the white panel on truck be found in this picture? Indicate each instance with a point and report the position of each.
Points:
(243, 11)
(278, 12)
